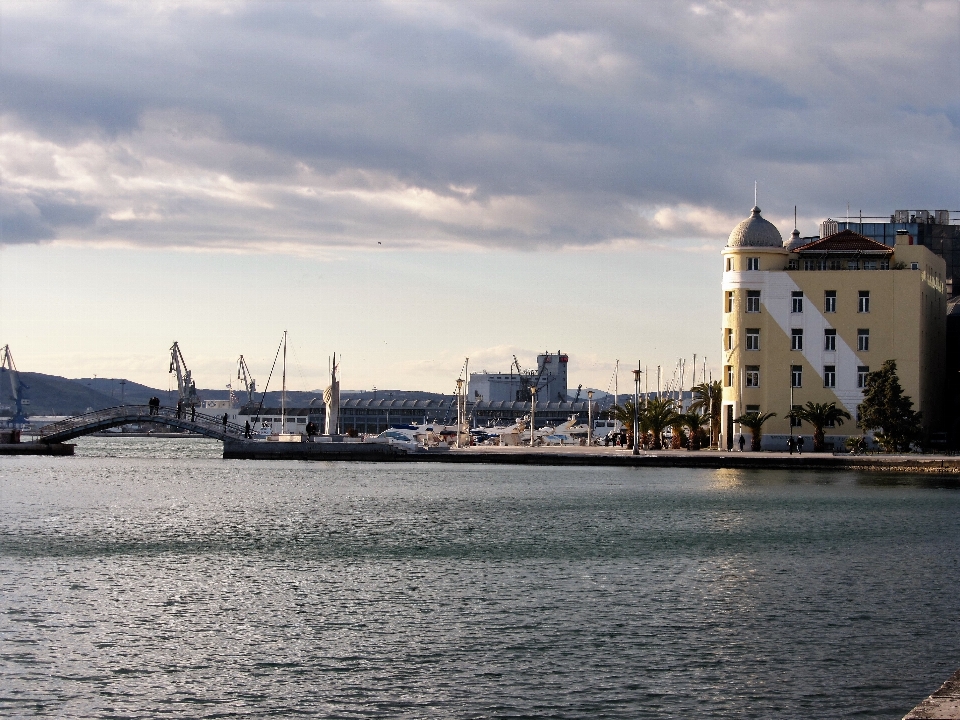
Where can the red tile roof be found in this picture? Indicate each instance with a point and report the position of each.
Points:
(845, 242)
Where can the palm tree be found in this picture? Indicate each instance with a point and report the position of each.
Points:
(679, 437)
(659, 414)
(709, 399)
(624, 413)
(820, 415)
(695, 421)
(754, 421)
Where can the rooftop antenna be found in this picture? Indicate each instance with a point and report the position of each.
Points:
(754, 193)
(794, 217)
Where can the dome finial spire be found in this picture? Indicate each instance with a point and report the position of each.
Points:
(755, 193)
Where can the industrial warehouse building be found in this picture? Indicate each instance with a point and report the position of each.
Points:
(374, 416)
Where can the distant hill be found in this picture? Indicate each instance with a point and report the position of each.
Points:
(129, 393)
(54, 395)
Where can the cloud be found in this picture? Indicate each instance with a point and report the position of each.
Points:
(276, 126)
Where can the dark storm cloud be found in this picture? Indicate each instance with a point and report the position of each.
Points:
(500, 124)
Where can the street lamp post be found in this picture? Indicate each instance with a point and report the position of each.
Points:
(533, 414)
(636, 411)
(459, 409)
(590, 418)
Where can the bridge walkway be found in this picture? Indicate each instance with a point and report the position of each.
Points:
(207, 425)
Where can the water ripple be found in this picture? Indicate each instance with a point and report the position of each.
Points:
(142, 579)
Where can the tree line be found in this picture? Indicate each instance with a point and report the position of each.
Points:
(885, 410)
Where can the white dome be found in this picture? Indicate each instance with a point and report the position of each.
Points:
(795, 240)
(755, 232)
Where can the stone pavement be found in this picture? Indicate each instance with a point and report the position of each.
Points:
(944, 704)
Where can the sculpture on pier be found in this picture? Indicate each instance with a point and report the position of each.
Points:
(331, 398)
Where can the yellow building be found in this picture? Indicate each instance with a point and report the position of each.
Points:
(806, 322)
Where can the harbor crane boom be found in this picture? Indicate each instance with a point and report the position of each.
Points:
(185, 385)
(529, 381)
(249, 384)
(17, 386)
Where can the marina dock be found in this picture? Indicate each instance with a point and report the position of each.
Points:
(587, 456)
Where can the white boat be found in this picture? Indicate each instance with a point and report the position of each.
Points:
(569, 433)
(413, 438)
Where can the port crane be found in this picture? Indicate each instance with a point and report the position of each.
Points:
(17, 386)
(528, 381)
(185, 383)
(249, 384)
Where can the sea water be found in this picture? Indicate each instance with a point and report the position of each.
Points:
(150, 578)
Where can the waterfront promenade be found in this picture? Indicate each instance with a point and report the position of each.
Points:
(579, 455)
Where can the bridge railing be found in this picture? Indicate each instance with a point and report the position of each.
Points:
(144, 413)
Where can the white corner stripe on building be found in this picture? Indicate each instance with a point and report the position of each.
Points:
(776, 299)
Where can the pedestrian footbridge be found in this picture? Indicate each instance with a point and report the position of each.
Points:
(207, 425)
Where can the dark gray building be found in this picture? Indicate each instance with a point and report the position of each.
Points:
(931, 229)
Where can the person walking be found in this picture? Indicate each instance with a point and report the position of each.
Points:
(246, 430)
(800, 445)
(179, 409)
(790, 444)
(741, 442)
(224, 422)
(193, 413)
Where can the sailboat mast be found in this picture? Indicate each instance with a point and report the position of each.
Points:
(616, 381)
(283, 391)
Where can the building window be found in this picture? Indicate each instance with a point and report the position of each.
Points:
(853, 265)
(863, 340)
(730, 301)
(835, 265)
(884, 264)
(869, 264)
(796, 376)
(830, 340)
(728, 376)
(797, 299)
(729, 264)
(796, 339)
(829, 376)
(752, 408)
(753, 263)
(830, 301)
(863, 304)
(792, 264)
(753, 301)
(753, 338)
(753, 376)
(814, 264)
(729, 340)
(914, 266)
(862, 372)
(794, 420)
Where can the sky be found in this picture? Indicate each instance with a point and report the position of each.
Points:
(413, 183)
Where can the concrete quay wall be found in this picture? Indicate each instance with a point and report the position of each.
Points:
(583, 456)
(940, 464)
(36, 448)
